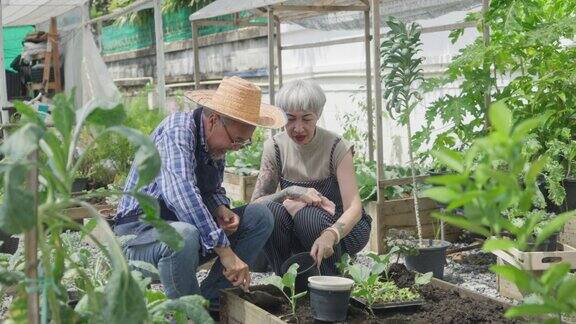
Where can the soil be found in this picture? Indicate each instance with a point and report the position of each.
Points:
(441, 306)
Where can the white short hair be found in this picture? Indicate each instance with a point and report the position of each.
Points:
(301, 95)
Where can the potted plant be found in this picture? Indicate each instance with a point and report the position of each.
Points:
(400, 61)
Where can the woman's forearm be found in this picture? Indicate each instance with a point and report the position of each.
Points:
(348, 220)
(280, 196)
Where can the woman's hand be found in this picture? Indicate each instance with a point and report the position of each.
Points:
(309, 196)
(323, 247)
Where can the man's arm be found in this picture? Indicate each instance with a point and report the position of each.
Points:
(179, 188)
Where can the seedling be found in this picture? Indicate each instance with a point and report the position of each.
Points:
(288, 282)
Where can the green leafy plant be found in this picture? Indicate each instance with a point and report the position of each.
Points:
(402, 241)
(247, 160)
(47, 156)
(401, 70)
(491, 179)
(110, 158)
(528, 46)
(288, 282)
(371, 287)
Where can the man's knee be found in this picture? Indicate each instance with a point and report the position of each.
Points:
(189, 233)
(260, 215)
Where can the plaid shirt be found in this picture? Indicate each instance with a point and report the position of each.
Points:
(175, 139)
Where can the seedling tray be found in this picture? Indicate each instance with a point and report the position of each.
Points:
(361, 302)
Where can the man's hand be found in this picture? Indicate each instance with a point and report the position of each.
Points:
(227, 219)
(323, 247)
(235, 270)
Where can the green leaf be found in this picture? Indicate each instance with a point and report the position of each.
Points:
(22, 142)
(125, 302)
(498, 244)
(359, 273)
(554, 226)
(192, 307)
(17, 212)
(530, 310)
(289, 278)
(463, 223)
(378, 268)
(450, 158)
(567, 291)
(29, 112)
(166, 233)
(442, 194)
(107, 116)
(555, 274)
(525, 127)
(519, 277)
(423, 279)
(63, 116)
(89, 227)
(447, 179)
(500, 117)
(275, 281)
(147, 159)
(149, 267)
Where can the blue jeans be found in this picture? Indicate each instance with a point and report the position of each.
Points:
(177, 270)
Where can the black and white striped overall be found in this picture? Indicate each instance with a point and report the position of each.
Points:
(294, 235)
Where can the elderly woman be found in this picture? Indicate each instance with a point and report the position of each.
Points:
(318, 208)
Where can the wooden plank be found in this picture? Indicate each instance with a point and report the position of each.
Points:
(160, 59)
(229, 23)
(282, 7)
(271, 70)
(568, 233)
(406, 205)
(346, 40)
(447, 27)
(235, 310)
(279, 53)
(375, 9)
(369, 112)
(196, 53)
(539, 260)
(400, 181)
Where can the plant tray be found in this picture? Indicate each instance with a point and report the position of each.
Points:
(538, 260)
(361, 302)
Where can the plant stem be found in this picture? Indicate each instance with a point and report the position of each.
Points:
(414, 184)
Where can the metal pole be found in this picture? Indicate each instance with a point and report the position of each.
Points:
(196, 56)
(3, 92)
(279, 53)
(486, 37)
(369, 112)
(31, 249)
(271, 72)
(99, 34)
(160, 61)
(377, 93)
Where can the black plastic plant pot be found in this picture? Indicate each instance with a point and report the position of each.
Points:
(570, 200)
(306, 269)
(431, 258)
(329, 297)
(9, 243)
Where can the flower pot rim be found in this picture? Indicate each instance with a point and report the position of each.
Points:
(330, 283)
(436, 245)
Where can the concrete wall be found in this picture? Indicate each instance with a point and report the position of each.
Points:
(339, 69)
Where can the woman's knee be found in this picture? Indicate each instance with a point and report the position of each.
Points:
(312, 218)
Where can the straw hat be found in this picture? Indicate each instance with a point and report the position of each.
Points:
(240, 100)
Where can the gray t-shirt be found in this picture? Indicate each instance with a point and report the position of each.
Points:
(306, 162)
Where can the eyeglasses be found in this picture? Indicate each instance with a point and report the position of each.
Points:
(238, 144)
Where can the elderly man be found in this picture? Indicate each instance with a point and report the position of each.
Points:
(192, 146)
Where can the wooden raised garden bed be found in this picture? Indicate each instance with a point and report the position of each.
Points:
(536, 262)
(445, 303)
(399, 214)
(239, 187)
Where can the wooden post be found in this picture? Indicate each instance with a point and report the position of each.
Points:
(3, 92)
(271, 69)
(196, 54)
(99, 34)
(160, 60)
(369, 112)
(487, 65)
(279, 53)
(377, 92)
(31, 249)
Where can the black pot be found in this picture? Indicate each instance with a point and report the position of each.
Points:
(306, 269)
(9, 243)
(431, 258)
(80, 184)
(570, 201)
(328, 305)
